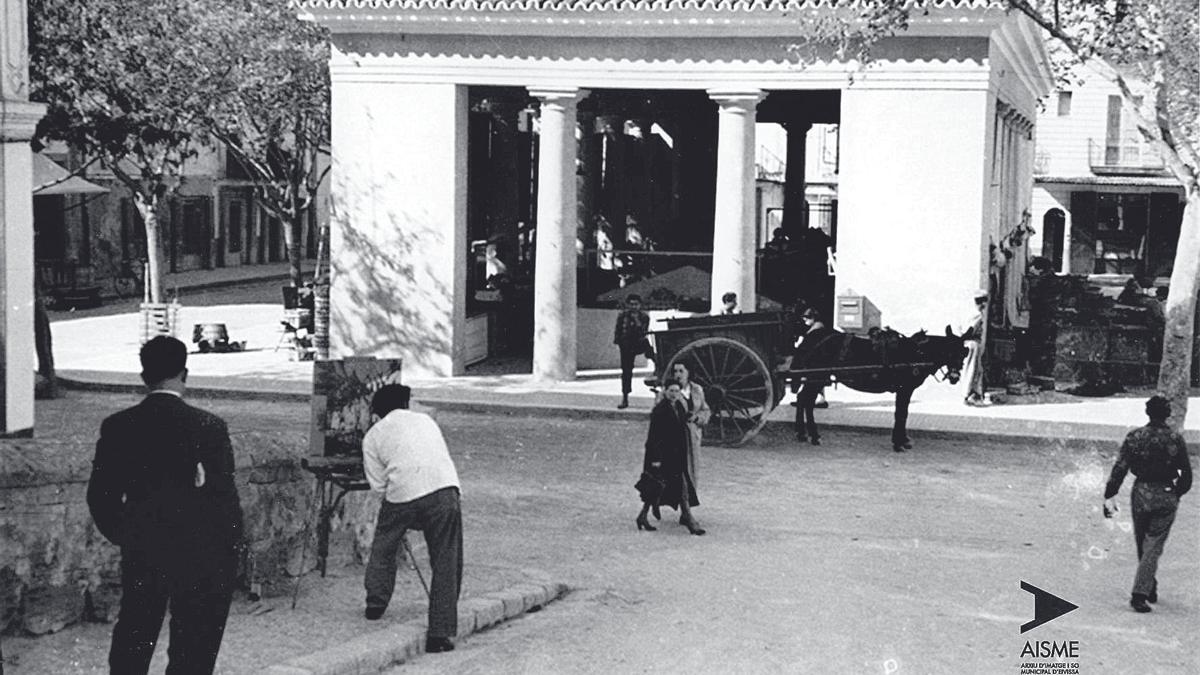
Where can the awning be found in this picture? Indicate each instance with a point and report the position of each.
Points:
(51, 179)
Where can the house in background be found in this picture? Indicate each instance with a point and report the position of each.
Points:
(212, 221)
(1103, 202)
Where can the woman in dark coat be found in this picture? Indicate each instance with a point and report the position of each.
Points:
(668, 446)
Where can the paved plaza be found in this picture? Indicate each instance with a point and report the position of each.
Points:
(846, 558)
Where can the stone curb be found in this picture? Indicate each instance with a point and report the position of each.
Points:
(375, 651)
(1056, 434)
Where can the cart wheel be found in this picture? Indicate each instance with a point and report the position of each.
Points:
(737, 386)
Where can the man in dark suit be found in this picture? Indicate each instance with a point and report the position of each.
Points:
(162, 488)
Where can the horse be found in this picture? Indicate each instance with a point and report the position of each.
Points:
(884, 362)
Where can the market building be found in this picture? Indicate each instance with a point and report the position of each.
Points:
(485, 150)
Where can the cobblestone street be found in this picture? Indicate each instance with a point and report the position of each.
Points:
(845, 558)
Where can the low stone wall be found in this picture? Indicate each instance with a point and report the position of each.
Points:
(56, 569)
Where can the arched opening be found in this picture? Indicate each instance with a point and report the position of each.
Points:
(1054, 227)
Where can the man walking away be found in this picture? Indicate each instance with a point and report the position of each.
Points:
(1158, 457)
(162, 488)
(405, 458)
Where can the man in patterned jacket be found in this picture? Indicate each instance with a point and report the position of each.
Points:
(1158, 457)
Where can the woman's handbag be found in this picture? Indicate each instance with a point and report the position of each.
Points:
(650, 488)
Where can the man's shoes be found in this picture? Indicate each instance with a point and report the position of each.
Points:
(1153, 597)
(1138, 603)
(373, 613)
(436, 645)
(623, 404)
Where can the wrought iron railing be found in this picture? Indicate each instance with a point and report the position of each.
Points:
(1125, 157)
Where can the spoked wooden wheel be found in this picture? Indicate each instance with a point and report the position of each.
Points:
(737, 386)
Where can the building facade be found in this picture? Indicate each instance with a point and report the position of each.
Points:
(212, 220)
(934, 153)
(1103, 201)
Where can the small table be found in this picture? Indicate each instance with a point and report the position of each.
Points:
(336, 476)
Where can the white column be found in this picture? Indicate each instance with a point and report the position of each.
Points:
(554, 264)
(733, 227)
(18, 117)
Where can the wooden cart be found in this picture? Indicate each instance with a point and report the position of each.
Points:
(736, 359)
(743, 363)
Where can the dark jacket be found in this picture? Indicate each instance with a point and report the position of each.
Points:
(1155, 453)
(143, 493)
(669, 442)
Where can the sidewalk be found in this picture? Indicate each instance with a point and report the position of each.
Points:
(101, 352)
(220, 277)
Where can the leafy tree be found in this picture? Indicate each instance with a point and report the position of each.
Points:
(276, 123)
(134, 85)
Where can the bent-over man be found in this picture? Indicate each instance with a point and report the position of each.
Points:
(1158, 456)
(405, 458)
(162, 488)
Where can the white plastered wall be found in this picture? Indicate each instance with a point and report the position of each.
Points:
(398, 224)
(911, 202)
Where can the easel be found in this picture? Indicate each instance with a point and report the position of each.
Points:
(335, 460)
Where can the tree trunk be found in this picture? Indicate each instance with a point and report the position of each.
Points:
(293, 236)
(321, 279)
(47, 386)
(1175, 372)
(154, 256)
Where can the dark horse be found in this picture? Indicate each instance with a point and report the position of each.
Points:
(885, 361)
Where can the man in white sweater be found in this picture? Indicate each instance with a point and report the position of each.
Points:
(405, 458)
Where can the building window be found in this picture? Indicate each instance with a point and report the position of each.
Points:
(1064, 103)
(133, 231)
(194, 213)
(1124, 233)
(233, 168)
(236, 225)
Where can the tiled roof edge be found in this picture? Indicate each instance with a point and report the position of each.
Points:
(557, 6)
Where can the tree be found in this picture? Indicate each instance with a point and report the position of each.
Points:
(133, 84)
(276, 123)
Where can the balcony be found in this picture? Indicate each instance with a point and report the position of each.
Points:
(1126, 159)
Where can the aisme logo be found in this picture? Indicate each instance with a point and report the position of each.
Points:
(1046, 606)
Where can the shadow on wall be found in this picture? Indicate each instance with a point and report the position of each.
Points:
(390, 296)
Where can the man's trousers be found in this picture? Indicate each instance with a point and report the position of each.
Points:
(439, 517)
(199, 608)
(1153, 511)
(628, 355)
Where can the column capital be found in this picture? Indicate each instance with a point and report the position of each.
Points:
(560, 95)
(18, 120)
(799, 125)
(747, 99)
